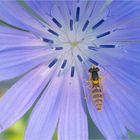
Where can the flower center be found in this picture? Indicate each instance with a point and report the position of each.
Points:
(74, 43)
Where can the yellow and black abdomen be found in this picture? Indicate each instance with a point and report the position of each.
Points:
(97, 97)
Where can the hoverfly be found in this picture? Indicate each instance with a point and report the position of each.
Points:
(95, 85)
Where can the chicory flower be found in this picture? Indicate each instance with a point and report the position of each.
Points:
(53, 44)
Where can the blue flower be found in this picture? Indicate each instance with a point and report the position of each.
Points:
(52, 45)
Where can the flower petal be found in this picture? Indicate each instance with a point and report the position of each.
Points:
(26, 21)
(73, 119)
(10, 19)
(127, 99)
(19, 98)
(108, 121)
(42, 7)
(11, 38)
(20, 61)
(44, 118)
(127, 16)
(46, 10)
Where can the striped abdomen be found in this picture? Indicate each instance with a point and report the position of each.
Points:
(97, 97)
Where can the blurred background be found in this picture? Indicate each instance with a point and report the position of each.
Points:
(16, 131)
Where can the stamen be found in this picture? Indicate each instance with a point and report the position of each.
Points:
(59, 48)
(98, 24)
(85, 26)
(53, 32)
(104, 34)
(79, 58)
(107, 46)
(71, 24)
(64, 64)
(92, 48)
(56, 22)
(77, 13)
(72, 71)
(92, 61)
(52, 63)
(47, 40)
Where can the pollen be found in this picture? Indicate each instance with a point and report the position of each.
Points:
(74, 44)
